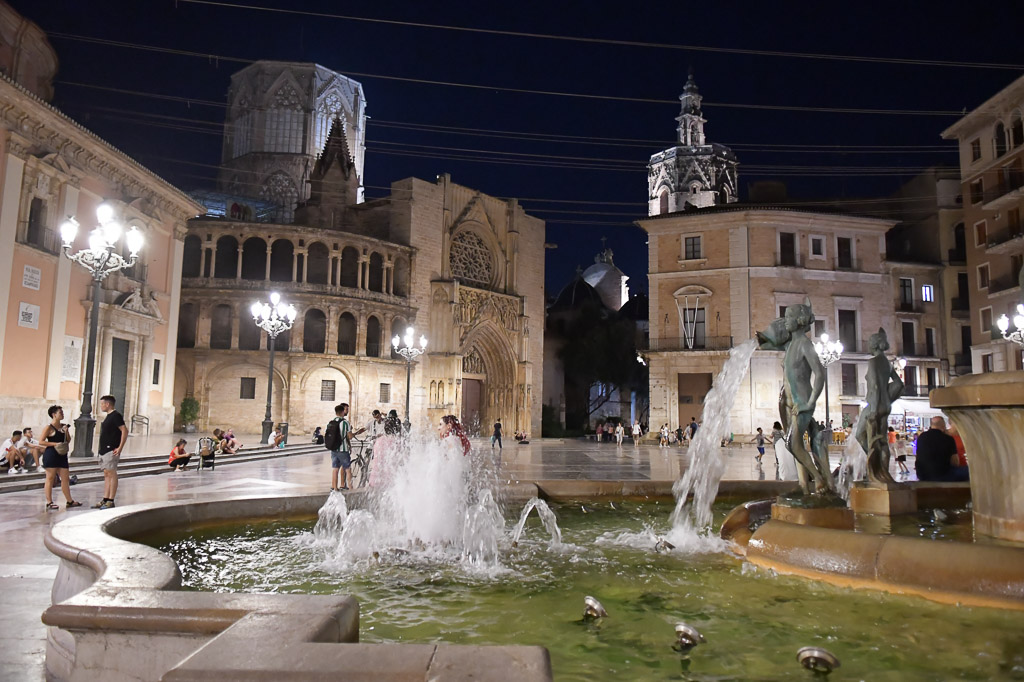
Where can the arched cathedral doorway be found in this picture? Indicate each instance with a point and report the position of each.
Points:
(488, 381)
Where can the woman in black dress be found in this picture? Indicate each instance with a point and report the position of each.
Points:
(57, 434)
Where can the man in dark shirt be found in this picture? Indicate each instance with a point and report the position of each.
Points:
(113, 436)
(936, 455)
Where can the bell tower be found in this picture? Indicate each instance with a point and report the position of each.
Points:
(691, 119)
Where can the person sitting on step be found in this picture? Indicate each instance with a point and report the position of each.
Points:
(179, 459)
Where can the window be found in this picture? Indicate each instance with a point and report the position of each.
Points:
(1016, 263)
(933, 378)
(471, 260)
(999, 141)
(975, 150)
(156, 371)
(787, 248)
(691, 248)
(817, 247)
(848, 329)
(844, 253)
(927, 293)
(910, 379)
(782, 310)
(929, 342)
(980, 233)
(385, 393)
(663, 203)
(977, 191)
(327, 390)
(247, 390)
(986, 320)
(906, 291)
(693, 327)
(983, 276)
(849, 375)
(986, 362)
(819, 327)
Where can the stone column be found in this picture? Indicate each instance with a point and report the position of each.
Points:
(59, 318)
(237, 311)
(359, 272)
(145, 376)
(361, 334)
(331, 337)
(267, 275)
(203, 329)
(103, 350)
(389, 278)
(305, 266)
(295, 264)
(238, 269)
(202, 260)
(10, 200)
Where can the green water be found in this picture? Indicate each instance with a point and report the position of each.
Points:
(754, 621)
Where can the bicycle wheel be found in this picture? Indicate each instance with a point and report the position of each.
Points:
(364, 469)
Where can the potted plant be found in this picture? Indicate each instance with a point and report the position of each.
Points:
(189, 412)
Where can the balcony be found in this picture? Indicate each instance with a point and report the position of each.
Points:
(212, 284)
(1006, 242)
(998, 285)
(789, 261)
(960, 308)
(957, 257)
(919, 391)
(916, 350)
(674, 343)
(853, 389)
(1007, 193)
(916, 307)
(962, 363)
(847, 264)
(44, 240)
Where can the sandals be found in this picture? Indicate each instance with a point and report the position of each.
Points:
(72, 503)
(51, 505)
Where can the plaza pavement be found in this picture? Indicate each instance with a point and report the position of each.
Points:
(27, 569)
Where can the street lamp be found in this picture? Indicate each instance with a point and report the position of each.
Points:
(273, 318)
(408, 351)
(1017, 335)
(828, 352)
(100, 259)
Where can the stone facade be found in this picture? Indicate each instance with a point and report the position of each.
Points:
(991, 142)
(52, 168)
(719, 275)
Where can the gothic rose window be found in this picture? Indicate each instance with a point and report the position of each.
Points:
(280, 189)
(470, 259)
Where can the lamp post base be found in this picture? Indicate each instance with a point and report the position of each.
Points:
(268, 426)
(85, 427)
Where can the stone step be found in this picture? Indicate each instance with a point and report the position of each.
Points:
(89, 471)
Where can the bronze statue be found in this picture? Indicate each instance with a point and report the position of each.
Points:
(884, 386)
(804, 379)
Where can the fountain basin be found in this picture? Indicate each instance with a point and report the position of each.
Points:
(988, 411)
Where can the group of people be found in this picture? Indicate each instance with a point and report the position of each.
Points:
(337, 437)
(682, 434)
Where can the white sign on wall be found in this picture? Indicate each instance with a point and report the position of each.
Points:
(31, 277)
(71, 368)
(28, 315)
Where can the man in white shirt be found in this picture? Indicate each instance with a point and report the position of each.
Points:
(30, 446)
(10, 452)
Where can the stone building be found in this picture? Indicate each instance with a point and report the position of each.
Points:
(463, 268)
(695, 173)
(991, 142)
(720, 274)
(52, 168)
(278, 118)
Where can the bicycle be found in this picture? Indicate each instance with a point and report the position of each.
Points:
(362, 456)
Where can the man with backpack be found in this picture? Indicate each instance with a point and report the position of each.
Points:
(336, 439)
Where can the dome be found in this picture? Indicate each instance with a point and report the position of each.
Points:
(610, 283)
(574, 294)
(636, 308)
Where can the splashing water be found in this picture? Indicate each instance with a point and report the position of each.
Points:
(707, 462)
(547, 517)
(432, 504)
(853, 465)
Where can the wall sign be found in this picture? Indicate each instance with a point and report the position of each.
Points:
(31, 277)
(71, 368)
(28, 315)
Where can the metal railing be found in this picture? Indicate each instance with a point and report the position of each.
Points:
(997, 284)
(959, 305)
(852, 264)
(1002, 236)
(44, 239)
(1010, 182)
(789, 260)
(919, 390)
(853, 389)
(910, 306)
(957, 256)
(916, 350)
(962, 360)
(675, 343)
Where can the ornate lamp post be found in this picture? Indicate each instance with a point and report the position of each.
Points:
(409, 352)
(100, 259)
(828, 352)
(273, 318)
(1017, 335)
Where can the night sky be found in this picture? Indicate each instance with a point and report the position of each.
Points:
(579, 163)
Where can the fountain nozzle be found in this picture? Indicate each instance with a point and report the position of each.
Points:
(687, 637)
(817, 660)
(593, 608)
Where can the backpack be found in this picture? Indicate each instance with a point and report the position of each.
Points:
(332, 435)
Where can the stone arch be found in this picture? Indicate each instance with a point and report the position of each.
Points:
(225, 259)
(192, 256)
(326, 364)
(373, 336)
(222, 388)
(282, 255)
(349, 267)
(314, 331)
(489, 343)
(663, 202)
(249, 335)
(318, 259)
(375, 276)
(254, 259)
(401, 275)
(187, 319)
(347, 332)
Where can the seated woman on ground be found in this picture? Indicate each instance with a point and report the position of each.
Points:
(233, 443)
(318, 436)
(221, 443)
(179, 459)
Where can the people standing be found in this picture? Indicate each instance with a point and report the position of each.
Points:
(663, 436)
(784, 459)
(336, 439)
(637, 432)
(599, 431)
(113, 436)
(56, 440)
(693, 428)
(496, 436)
(620, 433)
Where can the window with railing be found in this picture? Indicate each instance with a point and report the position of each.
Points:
(36, 232)
(327, 388)
(906, 291)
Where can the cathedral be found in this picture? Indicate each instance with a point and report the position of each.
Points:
(462, 268)
(695, 173)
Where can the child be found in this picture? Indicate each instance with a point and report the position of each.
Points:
(759, 439)
(179, 458)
